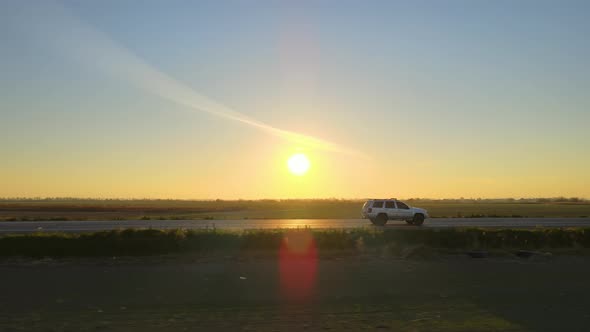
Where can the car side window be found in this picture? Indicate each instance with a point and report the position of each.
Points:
(390, 205)
(401, 205)
(378, 204)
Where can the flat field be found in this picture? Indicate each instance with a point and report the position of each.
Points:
(338, 292)
(79, 209)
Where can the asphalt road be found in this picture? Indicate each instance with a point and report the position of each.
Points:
(242, 224)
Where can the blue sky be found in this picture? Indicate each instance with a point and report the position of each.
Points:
(466, 98)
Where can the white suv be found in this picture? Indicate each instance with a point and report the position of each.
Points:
(381, 210)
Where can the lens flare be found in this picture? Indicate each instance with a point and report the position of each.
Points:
(55, 25)
(298, 264)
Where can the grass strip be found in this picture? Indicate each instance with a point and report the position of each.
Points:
(132, 242)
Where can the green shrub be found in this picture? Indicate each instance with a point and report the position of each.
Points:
(132, 242)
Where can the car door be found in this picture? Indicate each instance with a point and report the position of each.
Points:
(377, 207)
(403, 210)
(391, 210)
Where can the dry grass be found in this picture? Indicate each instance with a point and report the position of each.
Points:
(81, 209)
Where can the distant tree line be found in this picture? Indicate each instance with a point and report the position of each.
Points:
(560, 199)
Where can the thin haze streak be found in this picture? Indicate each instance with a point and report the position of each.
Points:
(74, 38)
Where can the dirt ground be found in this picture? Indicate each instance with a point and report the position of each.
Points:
(279, 293)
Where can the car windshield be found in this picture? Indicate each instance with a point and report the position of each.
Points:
(402, 205)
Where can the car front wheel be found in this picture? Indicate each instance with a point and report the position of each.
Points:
(418, 219)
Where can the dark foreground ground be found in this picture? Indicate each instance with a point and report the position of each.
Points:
(336, 292)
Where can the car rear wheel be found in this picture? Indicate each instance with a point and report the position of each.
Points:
(381, 220)
(418, 219)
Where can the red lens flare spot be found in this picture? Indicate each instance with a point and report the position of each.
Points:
(298, 258)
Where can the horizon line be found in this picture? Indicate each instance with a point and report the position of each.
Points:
(287, 199)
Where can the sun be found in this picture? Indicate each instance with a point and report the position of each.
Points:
(298, 164)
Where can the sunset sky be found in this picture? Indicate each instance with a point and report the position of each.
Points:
(209, 99)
